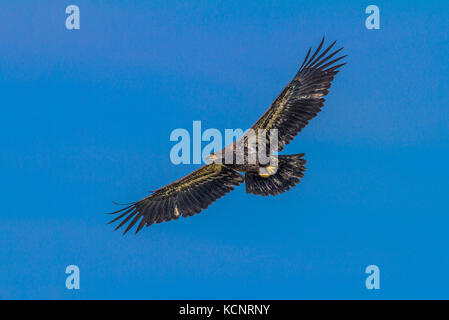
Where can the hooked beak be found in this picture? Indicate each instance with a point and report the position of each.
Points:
(211, 158)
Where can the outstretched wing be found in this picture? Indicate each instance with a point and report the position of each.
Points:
(185, 197)
(302, 98)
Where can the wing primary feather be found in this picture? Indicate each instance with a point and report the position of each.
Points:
(323, 53)
(302, 99)
(122, 204)
(132, 223)
(120, 210)
(122, 215)
(156, 212)
(314, 54)
(126, 219)
(335, 68)
(317, 64)
(331, 62)
(150, 217)
(141, 225)
(143, 209)
(305, 59)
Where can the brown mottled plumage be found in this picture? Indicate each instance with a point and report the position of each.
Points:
(300, 101)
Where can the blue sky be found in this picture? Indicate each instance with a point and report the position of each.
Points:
(86, 120)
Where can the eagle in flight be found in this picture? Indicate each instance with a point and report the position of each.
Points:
(300, 101)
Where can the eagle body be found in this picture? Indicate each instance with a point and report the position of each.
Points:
(257, 164)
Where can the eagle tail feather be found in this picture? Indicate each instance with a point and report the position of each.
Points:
(290, 170)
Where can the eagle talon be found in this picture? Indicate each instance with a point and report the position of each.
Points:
(270, 171)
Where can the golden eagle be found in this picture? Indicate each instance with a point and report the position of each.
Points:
(299, 102)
